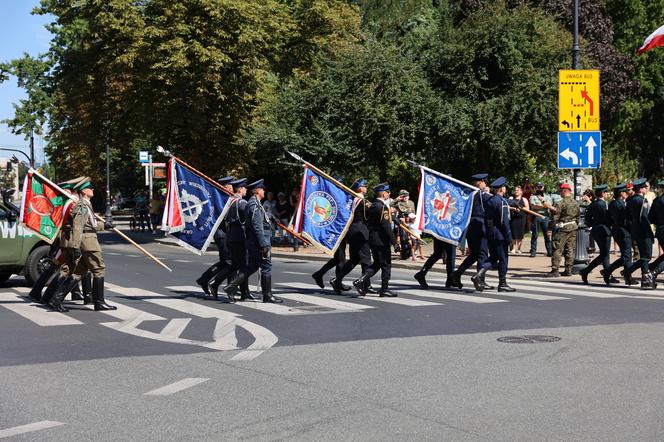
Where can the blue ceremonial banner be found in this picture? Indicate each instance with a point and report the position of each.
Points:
(197, 207)
(325, 211)
(444, 206)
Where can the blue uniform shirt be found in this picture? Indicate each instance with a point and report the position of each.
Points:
(258, 227)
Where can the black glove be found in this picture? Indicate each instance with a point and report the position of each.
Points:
(76, 254)
(265, 252)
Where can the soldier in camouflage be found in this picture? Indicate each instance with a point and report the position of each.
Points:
(565, 224)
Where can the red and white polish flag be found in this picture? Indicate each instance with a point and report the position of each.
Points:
(655, 39)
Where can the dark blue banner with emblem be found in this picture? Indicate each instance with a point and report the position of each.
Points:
(444, 206)
(200, 206)
(325, 211)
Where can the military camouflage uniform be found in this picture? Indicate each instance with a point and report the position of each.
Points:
(565, 223)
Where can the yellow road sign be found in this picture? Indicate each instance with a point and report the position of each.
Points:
(578, 100)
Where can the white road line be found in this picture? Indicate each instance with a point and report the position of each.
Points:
(451, 296)
(175, 327)
(554, 290)
(36, 313)
(325, 302)
(297, 273)
(520, 295)
(193, 289)
(224, 334)
(176, 387)
(35, 426)
(400, 301)
(182, 260)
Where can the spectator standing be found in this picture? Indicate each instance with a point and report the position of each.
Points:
(518, 220)
(269, 204)
(156, 209)
(541, 203)
(403, 207)
(142, 210)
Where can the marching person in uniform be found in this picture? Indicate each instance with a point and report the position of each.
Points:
(220, 240)
(476, 232)
(82, 251)
(236, 241)
(499, 235)
(357, 238)
(621, 235)
(656, 217)
(565, 223)
(259, 250)
(440, 249)
(381, 240)
(637, 214)
(597, 218)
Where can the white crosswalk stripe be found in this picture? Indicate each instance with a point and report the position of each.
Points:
(503, 294)
(400, 301)
(40, 315)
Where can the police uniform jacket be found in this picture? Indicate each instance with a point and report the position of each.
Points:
(235, 219)
(618, 214)
(258, 227)
(656, 214)
(82, 228)
(597, 216)
(359, 225)
(637, 213)
(497, 219)
(379, 220)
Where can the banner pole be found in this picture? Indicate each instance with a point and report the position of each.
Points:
(327, 176)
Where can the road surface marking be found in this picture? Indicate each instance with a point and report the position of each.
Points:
(401, 301)
(176, 387)
(175, 327)
(224, 337)
(505, 294)
(451, 296)
(297, 273)
(36, 313)
(182, 260)
(325, 302)
(576, 292)
(35, 426)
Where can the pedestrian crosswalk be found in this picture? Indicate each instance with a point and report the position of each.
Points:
(173, 309)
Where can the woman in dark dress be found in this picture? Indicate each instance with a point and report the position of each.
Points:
(518, 218)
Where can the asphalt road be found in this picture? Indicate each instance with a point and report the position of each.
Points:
(170, 364)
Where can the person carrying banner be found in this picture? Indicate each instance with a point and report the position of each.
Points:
(236, 239)
(476, 233)
(597, 218)
(440, 249)
(82, 251)
(499, 235)
(224, 253)
(620, 232)
(381, 240)
(258, 234)
(357, 239)
(637, 214)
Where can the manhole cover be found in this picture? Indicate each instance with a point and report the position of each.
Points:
(528, 339)
(313, 308)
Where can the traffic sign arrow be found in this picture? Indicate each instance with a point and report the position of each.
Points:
(569, 155)
(586, 97)
(591, 144)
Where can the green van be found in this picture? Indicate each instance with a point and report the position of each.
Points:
(21, 251)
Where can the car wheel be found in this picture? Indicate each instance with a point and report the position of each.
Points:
(36, 263)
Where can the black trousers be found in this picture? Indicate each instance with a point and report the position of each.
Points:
(600, 234)
(479, 247)
(624, 240)
(441, 248)
(498, 257)
(382, 260)
(337, 261)
(645, 253)
(359, 253)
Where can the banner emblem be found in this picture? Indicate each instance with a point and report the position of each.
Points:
(321, 208)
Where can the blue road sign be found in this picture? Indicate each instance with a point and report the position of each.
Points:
(579, 150)
(143, 156)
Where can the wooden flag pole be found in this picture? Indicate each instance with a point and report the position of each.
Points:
(297, 235)
(193, 169)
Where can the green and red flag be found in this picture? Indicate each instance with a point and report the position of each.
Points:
(44, 206)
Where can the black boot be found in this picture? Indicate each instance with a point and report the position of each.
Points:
(504, 287)
(369, 289)
(98, 295)
(361, 284)
(318, 278)
(205, 278)
(385, 291)
(233, 286)
(478, 280)
(338, 286)
(584, 275)
(51, 288)
(86, 282)
(43, 279)
(647, 282)
(608, 278)
(456, 280)
(421, 278)
(76, 294)
(245, 293)
(61, 291)
(214, 283)
(266, 288)
(628, 279)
